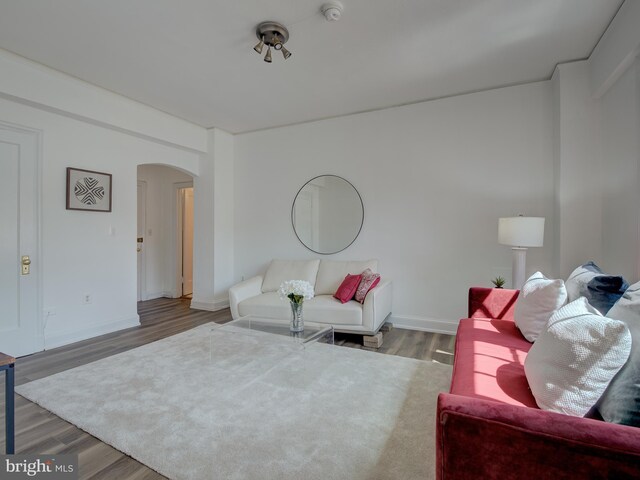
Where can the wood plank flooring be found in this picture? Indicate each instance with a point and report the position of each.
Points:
(39, 431)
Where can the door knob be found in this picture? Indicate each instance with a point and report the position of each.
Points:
(26, 262)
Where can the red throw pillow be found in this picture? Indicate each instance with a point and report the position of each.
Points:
(369, 281)
(348, 287)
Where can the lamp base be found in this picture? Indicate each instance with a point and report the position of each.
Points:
(518, 267)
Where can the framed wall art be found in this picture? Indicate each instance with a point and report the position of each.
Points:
(88, 190)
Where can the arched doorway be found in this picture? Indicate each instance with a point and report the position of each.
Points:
(165, 232)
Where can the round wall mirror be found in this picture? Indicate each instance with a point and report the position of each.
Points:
(327, 214)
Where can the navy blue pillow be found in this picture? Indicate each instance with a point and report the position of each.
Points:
(620, 402)
(600, 289)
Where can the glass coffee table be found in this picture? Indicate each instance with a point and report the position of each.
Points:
(251, 324)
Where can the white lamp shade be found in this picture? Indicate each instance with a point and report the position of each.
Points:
(521, 231)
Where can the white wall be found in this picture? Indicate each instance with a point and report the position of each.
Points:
(79, 256)
(617, 49)
(614, 74)
(86, 252)
(620, 126)
(577, 170)
(161, 229)
(213, 241)
(434, 178)
(223, 215)
(40, 86)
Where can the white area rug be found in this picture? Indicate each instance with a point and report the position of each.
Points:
(202, 405)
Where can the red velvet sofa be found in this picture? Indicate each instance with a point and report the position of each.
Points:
(489, 426)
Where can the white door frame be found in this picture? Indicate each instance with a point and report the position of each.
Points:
(637, 73)
(187, 235)
(37, 267)
(178, 186)
(142, 270)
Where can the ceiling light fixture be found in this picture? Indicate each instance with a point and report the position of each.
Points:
(272, 34)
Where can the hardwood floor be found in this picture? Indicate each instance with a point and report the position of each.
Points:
(39, 431)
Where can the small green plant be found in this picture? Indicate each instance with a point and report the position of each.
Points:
(498, 282)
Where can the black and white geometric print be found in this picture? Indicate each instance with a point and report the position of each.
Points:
(89, 191)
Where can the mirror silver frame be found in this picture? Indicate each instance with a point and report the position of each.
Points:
(293, 220)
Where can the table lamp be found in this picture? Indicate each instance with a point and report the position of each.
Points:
(520, 233)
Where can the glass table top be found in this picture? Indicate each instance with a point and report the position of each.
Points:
(312, 332)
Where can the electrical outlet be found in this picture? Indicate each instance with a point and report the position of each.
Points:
(87, 298)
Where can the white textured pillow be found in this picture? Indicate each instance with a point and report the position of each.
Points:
(575, 358)
(539, 299)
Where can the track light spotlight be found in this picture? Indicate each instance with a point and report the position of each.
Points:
(285, 53)
(258, 47)
(267, 57)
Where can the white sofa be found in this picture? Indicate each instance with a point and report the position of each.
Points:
(259, 295)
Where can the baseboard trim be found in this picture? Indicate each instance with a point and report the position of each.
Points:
(210, 306)
(154, 295)
(72, 336)
(424, 324)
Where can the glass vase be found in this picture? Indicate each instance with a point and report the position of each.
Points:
(297, 322)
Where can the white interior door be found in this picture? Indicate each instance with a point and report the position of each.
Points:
(142, 225)
(187, 242)
(21, 330)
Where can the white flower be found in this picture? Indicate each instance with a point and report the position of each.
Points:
(296, 290)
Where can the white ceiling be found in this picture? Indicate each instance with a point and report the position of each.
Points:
(194, 58)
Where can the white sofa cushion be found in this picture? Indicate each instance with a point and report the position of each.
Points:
(321, 309)
(282, 270)
(327, 309)
(268, 305)
(331, 273)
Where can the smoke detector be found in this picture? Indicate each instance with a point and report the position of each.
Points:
(332, 11)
